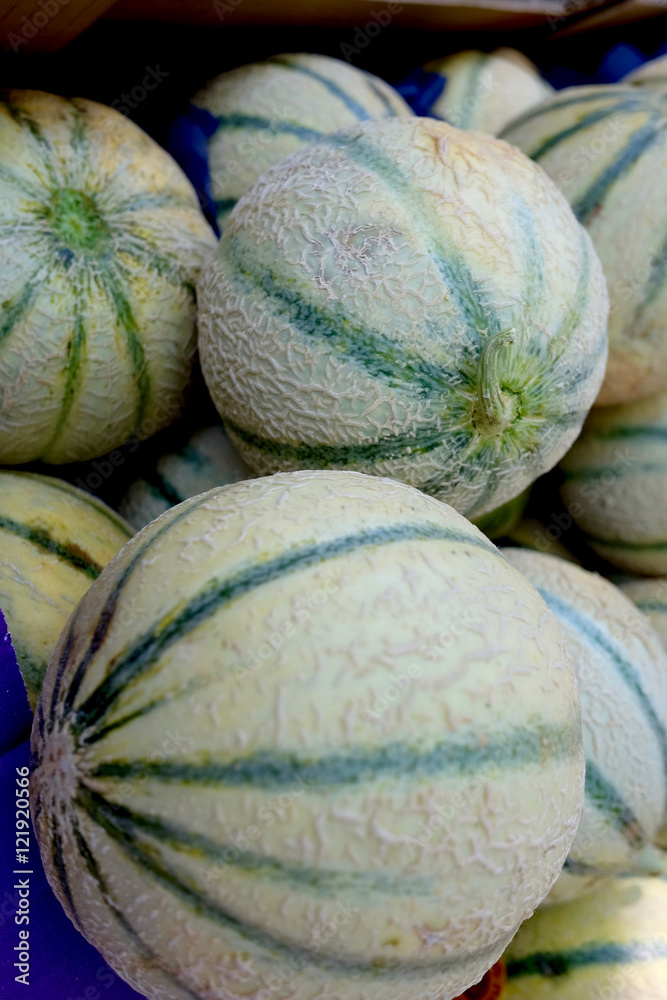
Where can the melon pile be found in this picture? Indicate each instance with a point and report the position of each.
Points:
(409, 761)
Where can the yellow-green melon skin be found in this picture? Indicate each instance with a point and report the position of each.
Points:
(267, 110)
(622, 672)
(606, 147)
(56, 540)
(101, 240)
(375, 770)
(616, 481)
(533, 533)
(500, 522)
(206, 460)
(408, 300)
(486, 90)
(610, 945)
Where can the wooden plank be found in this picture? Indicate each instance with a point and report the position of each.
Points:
(46, 25)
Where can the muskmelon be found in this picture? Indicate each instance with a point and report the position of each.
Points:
(486, 90)
(534, 533)
(56, 539)
(610, 945)
(253, 116)
(606, 147)
(405, 299)
(615, 484)
(338, 752)
(622, 673)
(101, 241)
(207, 459)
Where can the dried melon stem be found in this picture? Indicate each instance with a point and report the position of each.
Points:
(495, 410)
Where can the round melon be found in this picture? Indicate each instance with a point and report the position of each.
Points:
(408, 300)
(486, 90)
(651, 74)
(101, 241)
(610, 945)
(615, 484)
(533, 533)
(337, 752)
(606, 147)
(622, 673)
(650, 596)
(56, 539)
(207, 459)
(251, 117)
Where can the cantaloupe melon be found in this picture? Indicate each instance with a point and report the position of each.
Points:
(337, 753)
(410, 300)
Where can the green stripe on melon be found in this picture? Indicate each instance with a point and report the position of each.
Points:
(615, 481)
(56, 540)
(612, 943)
(267, 110)
(102, 239)
(282, 762)
(207, 459)
(622, 672)
(486, 90)
(605, 146)
(420, 330)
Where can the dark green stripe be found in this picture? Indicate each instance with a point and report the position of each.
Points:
(656, 280)
(551, 964)
(593, 118)
(630, 546)
(112, 285)
(204, 906)
(649, 431)
(70, 554)
(105, 895)
(480, 317)
(642, 140)
(573, 867)
(600, 473)
(272, 769)
(624, 667)
(377, 354)
(323, 881)
(106, 616)
(25, 121)
(372, 84)
(469, 105)
(357, 109)
(147, 650)
(608, 800)
(277, 127)
(164, 265)
(162, 488)
(75, 349)
(221, 205)
(14, 309)
(58, 865)
(652, 605)
(606, 93)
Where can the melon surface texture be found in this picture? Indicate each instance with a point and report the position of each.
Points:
(652, 74)
(616, 484)
(379, 768)
(609, 944)
(606, 148)
(486, 90)
(55, 541)
(101, 240)
(206, 460)
(262, 112)
(622, 673)
(650, 596)
(409, 300)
